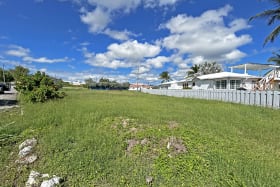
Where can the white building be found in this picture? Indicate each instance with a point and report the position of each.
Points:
(138, 86)
(173, 85)
(226, 80)
(231, 80)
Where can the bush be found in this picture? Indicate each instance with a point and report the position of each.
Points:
(38, 88)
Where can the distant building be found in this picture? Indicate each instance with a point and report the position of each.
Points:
(77, 83)
(139, 86)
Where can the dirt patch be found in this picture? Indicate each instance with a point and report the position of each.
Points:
(176, 146)
(173, 124)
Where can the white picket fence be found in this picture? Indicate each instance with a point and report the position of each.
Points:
(259, 98)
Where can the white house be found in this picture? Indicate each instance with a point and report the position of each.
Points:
(138, 86)
(231, 80)
(226, 80)
(174, 85)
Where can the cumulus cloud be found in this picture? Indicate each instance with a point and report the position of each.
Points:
(103, 12)
(97, 19)
(158, 61)
(126, 54)
(207, 37)
(134, 50)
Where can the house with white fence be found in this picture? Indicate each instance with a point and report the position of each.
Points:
(231, 80)
(226, 81)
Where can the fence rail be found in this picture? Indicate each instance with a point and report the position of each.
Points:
(259, 98)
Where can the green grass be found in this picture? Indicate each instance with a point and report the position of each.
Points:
(83, 139)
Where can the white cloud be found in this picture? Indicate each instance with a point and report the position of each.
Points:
(134, 50)
(118, 35)
(97, 19)
(103, 12)
(44, 60)
(126, 5)
(127, 54)
(84, 43)
(158, 61)
(17, 51)
(160, 3)
(207, 37)
(24, 54)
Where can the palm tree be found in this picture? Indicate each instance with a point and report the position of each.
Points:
(164, 76)
(193, 71)
(275, 58)
(209, 67)
(272, 15)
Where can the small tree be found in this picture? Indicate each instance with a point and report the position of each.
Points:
(36, 88)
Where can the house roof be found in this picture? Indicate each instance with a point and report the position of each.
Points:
(254, 66)
(225, 75)
(172, 82)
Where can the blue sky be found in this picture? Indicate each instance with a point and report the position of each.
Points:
(116, 39)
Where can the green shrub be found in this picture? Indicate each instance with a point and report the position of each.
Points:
(38, 87)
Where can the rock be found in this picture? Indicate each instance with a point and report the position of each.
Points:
(52, 182)
(27, 159)
(25, 151)
(149, 180)
(29, 142)
(33, 179)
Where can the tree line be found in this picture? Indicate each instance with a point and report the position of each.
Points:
(105, 84)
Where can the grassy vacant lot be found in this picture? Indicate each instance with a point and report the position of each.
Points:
(84, 138)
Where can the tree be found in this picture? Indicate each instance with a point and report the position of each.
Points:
(194, 70)
(7, 76)
(90, 83)
(209, 68)
(36, 88)
(275, 58)
(272, 16)
(164, 76)
(19, 72)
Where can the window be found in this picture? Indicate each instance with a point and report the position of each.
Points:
(221, 84)
(234, 84)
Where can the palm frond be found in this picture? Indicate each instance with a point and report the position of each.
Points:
(265, 14)
(274, 34)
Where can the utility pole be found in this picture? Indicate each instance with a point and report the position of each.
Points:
(137, 78)
(4, 74)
